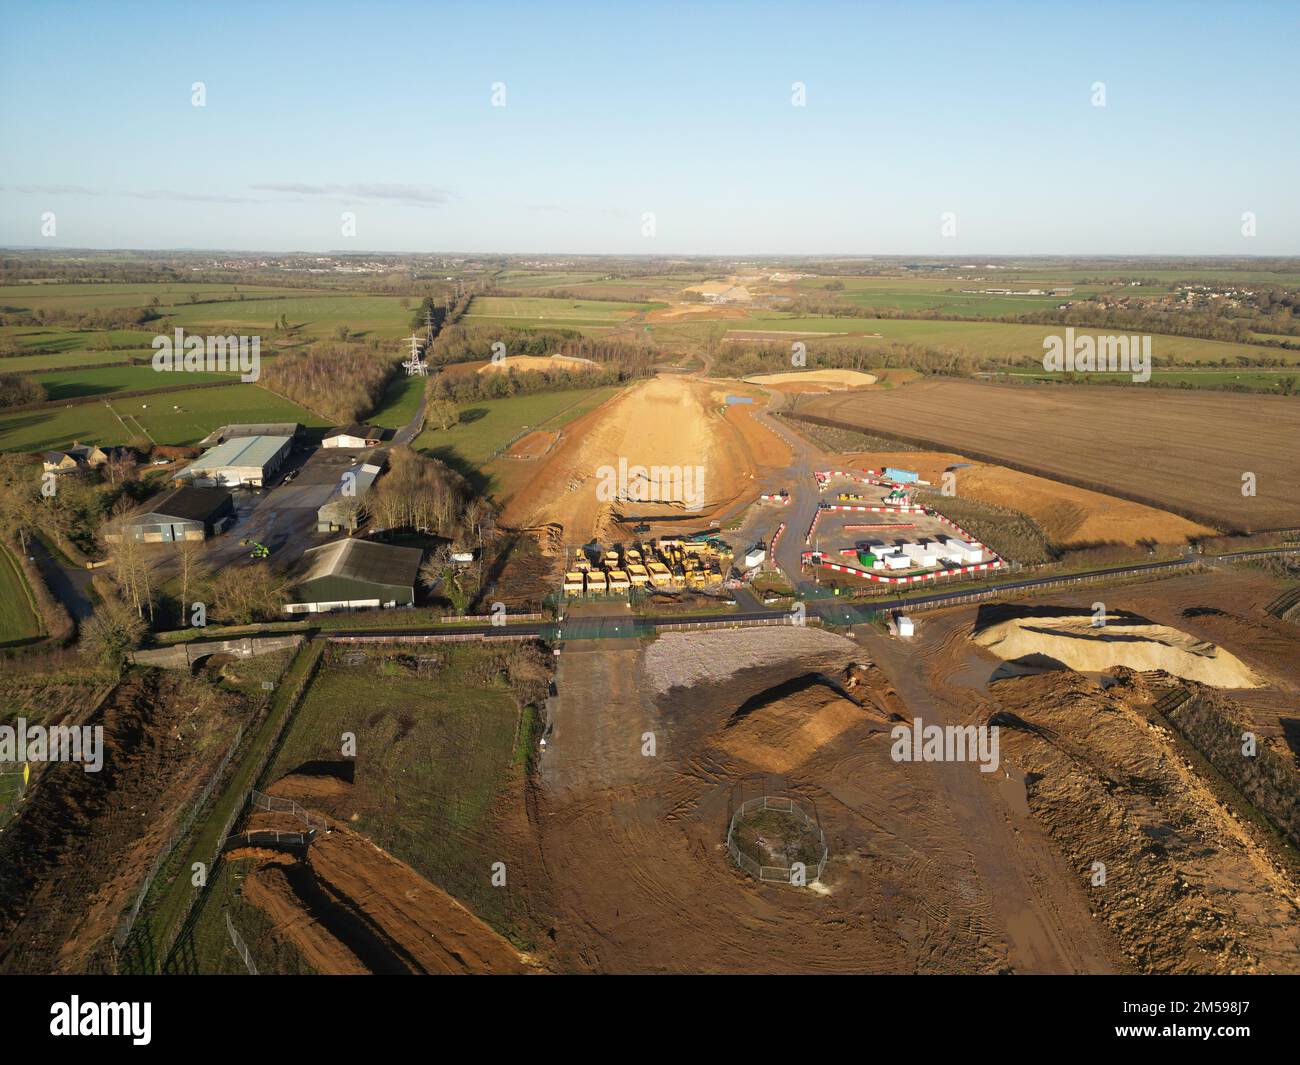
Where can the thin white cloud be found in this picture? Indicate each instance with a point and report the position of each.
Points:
(412, 195)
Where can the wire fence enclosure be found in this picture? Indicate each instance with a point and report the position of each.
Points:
(275, 804)
(797, 873)
(240, 946)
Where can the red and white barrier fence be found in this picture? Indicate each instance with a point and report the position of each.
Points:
(776, 539)
(911, 509)
(813, 527)
(815, 558)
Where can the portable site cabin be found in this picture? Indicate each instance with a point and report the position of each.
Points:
(962, 552)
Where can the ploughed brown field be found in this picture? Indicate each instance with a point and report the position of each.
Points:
(1183, 451)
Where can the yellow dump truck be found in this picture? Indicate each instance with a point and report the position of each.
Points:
(618, 581)
(659, 575)
(638, 575)
(573, 583)
(596, 583)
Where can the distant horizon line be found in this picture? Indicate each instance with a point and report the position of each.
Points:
(989, 256)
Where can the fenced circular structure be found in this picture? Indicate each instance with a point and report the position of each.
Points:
(777, 840)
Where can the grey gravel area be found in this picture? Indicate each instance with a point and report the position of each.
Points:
(683, 659)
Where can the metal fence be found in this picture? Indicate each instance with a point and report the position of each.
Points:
(275, 804)
(271, 837)
(240, 946)
(179, 833)
(775, 874)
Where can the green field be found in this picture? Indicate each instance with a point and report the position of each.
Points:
(319, 316)
(544, 278)
(182, 417)
(490, 424)
(433, 754)
(18, 622)
(541, 312)
(74, 298)
(400, 402)
(71, 384)
(26, 364)
(56, 339)
(992, 340)
(947, 296)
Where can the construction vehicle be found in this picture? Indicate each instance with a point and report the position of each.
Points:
(659, 574)
(638, 575)
(573, 583)
(259, 550)
(596, 584)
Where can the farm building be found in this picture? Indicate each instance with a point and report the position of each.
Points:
(354, 435)
(342, 511)
(354, 575)
(242, 460)
(232, 432)
(181, 514)
(77, 457)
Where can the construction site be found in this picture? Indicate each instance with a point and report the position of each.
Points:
(872, 526)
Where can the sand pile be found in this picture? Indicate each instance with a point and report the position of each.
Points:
(782, 728)
(1045, 637)
(662, 440)
(539, 362)
(831, 378)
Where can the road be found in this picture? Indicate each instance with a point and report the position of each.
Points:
(70, 584)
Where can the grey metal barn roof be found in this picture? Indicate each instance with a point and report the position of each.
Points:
(362, 560)
(232, 432)
(365, 432)
(188, 504)
(254, 451)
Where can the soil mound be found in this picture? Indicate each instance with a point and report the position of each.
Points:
(1063, 637)
(350, 907)
(782, 728)
(538, 362)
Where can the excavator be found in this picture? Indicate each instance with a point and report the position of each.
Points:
(259, 550)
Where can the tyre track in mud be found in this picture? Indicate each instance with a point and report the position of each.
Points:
(1034, 900)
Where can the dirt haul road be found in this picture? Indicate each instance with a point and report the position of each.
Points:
(670, 423)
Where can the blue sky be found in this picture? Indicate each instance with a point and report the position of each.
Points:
(682, 110)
